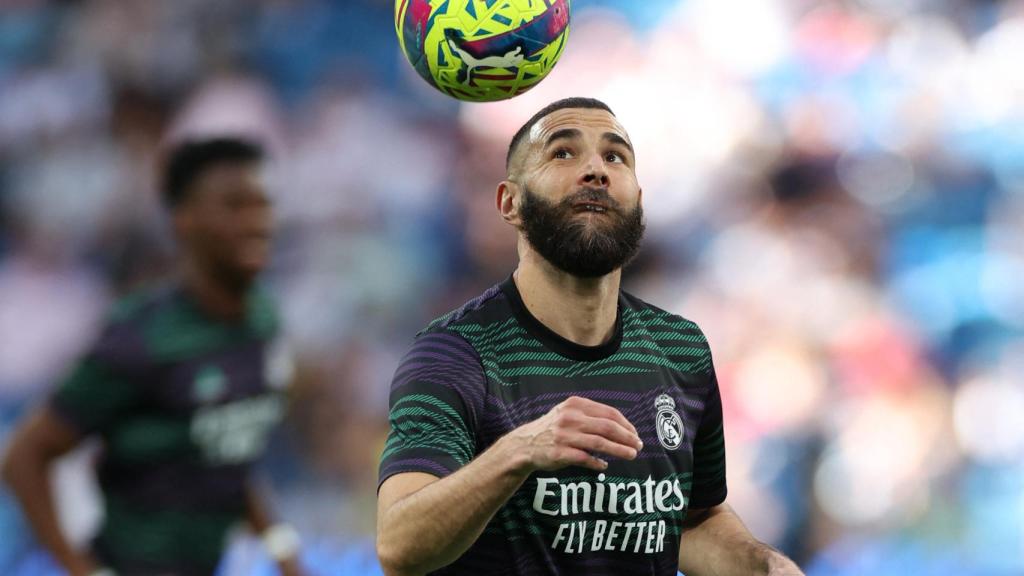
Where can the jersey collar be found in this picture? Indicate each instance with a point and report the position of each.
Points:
(552, 340)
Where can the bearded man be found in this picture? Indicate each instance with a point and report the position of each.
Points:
(555, 424)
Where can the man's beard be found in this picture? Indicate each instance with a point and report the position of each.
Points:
(581, 246)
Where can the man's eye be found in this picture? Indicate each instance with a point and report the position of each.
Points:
(562, 153)
(613, 157)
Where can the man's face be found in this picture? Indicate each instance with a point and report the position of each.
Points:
(226, 221)
(579, 205)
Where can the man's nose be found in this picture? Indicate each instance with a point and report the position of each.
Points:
(595, 173)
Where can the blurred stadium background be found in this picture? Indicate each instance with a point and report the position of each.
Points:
(835, 192)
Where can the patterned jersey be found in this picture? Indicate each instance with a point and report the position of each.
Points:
(183, 404)
(483, 370)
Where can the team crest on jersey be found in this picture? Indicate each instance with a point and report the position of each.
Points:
(668, 423)
(209, 385)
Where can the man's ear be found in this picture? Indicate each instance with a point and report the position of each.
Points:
(507, 201)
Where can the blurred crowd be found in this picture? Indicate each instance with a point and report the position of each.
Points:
(834, 192)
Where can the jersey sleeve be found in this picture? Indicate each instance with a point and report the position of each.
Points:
(709, 487)
(104, 385)
(436, 394)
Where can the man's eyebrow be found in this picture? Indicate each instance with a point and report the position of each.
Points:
(563, 134)
(617, 139)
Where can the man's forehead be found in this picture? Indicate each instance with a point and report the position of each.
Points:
(578, 118)
(235, 176)
(243, 170)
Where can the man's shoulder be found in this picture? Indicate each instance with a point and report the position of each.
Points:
(263, 317)
(444, 357)
(677, 339)
(641, 312)
(161, 323)
(130, 314)
(472, 317)
(122, 337)
(140, 305)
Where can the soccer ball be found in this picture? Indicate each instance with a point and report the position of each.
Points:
(482, 50)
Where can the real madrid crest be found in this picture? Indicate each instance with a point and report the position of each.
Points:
(668, 423)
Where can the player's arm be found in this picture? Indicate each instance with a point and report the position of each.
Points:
(424, 523)
(98, 392)
(281, 541)
(715, 542)
(42, 438)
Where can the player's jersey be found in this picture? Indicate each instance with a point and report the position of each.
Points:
(184, 404)
(481, 371)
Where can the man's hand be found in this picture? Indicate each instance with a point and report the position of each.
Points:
(424, 523)
(290, 567)
(85, 565)
(572, 433)
(779, 565)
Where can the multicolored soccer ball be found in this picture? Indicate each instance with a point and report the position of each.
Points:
(482, 50)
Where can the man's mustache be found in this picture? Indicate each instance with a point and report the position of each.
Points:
(592, 194)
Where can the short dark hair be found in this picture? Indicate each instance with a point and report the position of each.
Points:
(574, 102)
(187, 160)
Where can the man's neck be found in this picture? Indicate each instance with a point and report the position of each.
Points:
(219, 299)
(581, 310)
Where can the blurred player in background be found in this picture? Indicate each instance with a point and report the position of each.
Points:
(183, 386)
(555, 424)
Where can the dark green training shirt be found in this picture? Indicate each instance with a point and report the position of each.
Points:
(476, 374)
(184, 404)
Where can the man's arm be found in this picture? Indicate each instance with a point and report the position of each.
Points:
(716, 543)
(260, 520)
(424, 523)
(42, 438)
